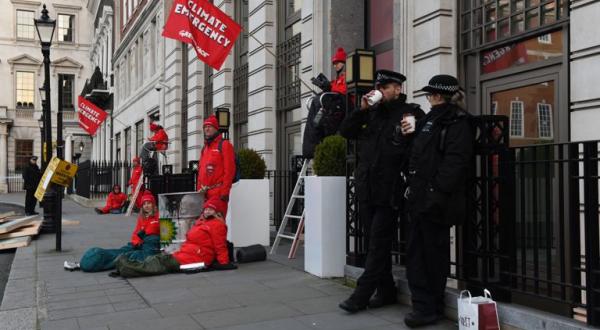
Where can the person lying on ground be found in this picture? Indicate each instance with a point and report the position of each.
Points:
(114, 203)
(206, 243)
(145, 241)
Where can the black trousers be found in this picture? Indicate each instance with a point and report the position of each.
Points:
(428, 264)
(30, 201)
(380, 223)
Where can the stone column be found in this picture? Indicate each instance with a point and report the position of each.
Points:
(403, 42)
(3, 157)
(223, 79)
(261, 78)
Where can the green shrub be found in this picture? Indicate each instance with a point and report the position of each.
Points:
(252, 166)
(330, 157)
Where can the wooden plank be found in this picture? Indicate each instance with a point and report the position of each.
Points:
(6, 214)
(30, 230)
(16, 223)
(67, 222)
(12, 243)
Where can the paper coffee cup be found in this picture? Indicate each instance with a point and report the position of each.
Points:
(410, 118)
(374, 98)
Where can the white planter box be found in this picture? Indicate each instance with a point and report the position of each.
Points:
(248, 213)
(325, 226)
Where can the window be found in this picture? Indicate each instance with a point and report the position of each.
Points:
(25, 27)
(65, 28)
(545, 120)
(67, 92)
(487, 21)
(118, 143)
(516, 118)
(139, 136)
(25, 90)
(240, 79)
(24, 151)
(184, 105)
(126, 157)
(208, 91)
(288, 52)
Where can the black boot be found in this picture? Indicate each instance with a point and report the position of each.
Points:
(384, 297)
(416, 319)
(99, 211)
(351, 306)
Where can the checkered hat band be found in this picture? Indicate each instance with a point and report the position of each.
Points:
(448, 88)
(381, 77)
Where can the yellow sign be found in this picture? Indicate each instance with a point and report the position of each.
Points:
(44, 148)
(58, 171)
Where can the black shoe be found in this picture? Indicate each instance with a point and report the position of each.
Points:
(99, 211)
(351, 306)
(380, 300)
(415, 320)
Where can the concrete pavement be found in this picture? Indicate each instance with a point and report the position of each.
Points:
(265, 295)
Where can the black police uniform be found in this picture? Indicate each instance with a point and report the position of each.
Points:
(383, 152)
(31, 179)
(440, 160)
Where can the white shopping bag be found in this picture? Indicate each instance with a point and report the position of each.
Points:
(478, 313)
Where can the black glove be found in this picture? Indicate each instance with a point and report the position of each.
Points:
(224, 198)
(218, 266)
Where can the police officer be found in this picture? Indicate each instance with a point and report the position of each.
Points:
(440, 160)
(31, 179)
(383, 152)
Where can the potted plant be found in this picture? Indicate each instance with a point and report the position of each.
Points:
(325, 210)
(248, 215)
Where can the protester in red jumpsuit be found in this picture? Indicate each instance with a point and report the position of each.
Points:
(217, 164)
(144, 242)
(114, 203)
(157, 142)
(205, 242)
(136, 175)
(338, 85)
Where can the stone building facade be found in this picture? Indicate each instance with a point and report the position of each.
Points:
(21, 66)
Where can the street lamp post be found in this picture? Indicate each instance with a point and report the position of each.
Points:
(45, 30)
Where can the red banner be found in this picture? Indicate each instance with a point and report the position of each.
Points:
(209, 30)
(90, 116)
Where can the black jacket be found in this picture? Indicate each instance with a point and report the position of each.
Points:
(382, 150)
(31, 176)
(440, 162)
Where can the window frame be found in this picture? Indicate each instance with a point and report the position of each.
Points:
(21, 157)
(58, 28)
(17, 24)
(72, 93)
(16, 89)
(539, 109)
(512, 120)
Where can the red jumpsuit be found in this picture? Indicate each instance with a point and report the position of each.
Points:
(150, 226)
(216, 170)
(114, 201)
(161, 139)
(339, 84)
(205, 242)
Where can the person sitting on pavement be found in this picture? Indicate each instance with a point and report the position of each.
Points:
(157, 142)
(136, 175)
(206, 242)
(145, 241)
(114, 203)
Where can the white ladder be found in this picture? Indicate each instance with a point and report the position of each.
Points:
(136, 192)
(295, 237)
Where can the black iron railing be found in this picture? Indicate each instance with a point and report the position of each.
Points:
(288, 83)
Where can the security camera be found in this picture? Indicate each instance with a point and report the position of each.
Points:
(158, 87)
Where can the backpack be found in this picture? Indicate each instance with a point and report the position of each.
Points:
(238, 171)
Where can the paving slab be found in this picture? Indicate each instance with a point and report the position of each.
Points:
(18, 319)
(244, 315)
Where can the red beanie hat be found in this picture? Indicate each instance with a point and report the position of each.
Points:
(216, 204)
(211, 121)
(154, 126)
(340, 56)
(148, 197)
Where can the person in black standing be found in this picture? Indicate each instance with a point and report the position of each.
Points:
(440, 160)
(31, 179)
(383, 151)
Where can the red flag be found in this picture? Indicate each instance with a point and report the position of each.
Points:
(209, 30)
(90, 116)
